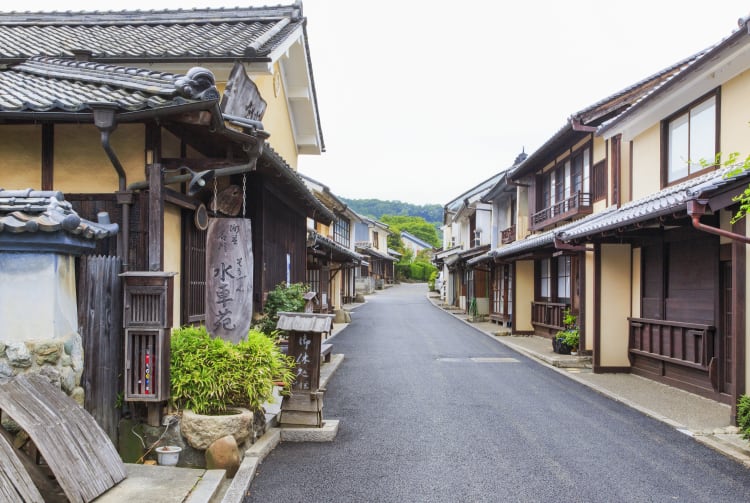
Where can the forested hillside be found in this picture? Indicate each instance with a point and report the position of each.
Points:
(376, 208)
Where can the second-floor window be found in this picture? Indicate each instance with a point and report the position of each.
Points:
(375, 240)
(341, 232)
(690, 137)
(566, 180)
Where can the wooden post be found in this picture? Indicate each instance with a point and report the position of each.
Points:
(155, 217)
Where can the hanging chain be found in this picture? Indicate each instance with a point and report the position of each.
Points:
(244, 193)
(215, 197)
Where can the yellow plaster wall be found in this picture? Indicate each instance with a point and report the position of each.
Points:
(277, 119)
(21, 154)
(81, 164)
(599, 149)
(615, 289)
(589, 296)
(735, 103)
(646, 163)
(524, 288)
(173, 254)
(522, 212)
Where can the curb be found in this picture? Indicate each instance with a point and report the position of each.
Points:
(256, 453)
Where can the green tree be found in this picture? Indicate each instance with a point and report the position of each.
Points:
(416, 226)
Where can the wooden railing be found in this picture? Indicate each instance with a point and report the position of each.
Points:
(686, 344)
(508, 235)
(548, 314)
(577, 204)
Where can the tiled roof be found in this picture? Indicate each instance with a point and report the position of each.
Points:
(685, 69)
(475, 192)
(315, 239)
(272, 160)
(30, 211)
(416, 240)
(602, 112)
(44, 84)
(542, 239)
(376, 254)
(244, 32)
(662, 203)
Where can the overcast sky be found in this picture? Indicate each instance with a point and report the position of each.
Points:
(422, 100)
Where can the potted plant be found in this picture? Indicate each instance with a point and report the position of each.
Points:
(566, 341)
(218, 385)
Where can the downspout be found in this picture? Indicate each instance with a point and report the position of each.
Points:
(104, 120)
(696, 208)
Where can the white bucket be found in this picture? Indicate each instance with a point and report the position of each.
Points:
(168, 455)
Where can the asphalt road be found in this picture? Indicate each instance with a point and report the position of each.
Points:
(432, 410)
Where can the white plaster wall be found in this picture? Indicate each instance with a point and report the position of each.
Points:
(37, 296)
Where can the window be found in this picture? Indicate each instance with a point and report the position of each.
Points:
(563, 278)
(341, 231)
(599, 180)
(690, 138)
(375, 240)
(545, 279)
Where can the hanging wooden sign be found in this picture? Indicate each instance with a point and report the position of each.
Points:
(229, 278)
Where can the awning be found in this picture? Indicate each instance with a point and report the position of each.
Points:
(666, 202)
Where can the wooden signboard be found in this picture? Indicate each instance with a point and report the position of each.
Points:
(304, 347)
(229, 278)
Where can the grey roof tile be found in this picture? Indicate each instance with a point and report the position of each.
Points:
(44, 84)
(316, 239)
(30, 211)
(664, 202)
(249, 33)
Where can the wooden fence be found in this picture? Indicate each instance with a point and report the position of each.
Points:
(100, 320)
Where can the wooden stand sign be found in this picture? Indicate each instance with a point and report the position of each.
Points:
(229, 278)
(304, 407)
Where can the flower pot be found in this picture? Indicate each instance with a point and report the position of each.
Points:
(168, 455)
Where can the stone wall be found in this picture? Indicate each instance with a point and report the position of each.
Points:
(60, 360)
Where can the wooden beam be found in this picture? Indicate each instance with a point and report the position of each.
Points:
(155, 217)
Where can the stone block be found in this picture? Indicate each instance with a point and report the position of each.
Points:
(223, 454)
(48, 352)
(18, 355)
(202, 430)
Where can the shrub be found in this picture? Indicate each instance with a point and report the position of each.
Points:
(570, 336)
(743, 416)
(431, 280)
(208, 375)
(284, 298)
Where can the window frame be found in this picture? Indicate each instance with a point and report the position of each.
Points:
(693, 168)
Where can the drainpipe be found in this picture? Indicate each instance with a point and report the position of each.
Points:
(696, 208)
(104, 120)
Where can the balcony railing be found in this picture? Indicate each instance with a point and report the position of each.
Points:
(548, 314)
(686, 344)
(577, 204)
(508, 235)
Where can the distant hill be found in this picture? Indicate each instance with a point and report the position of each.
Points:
(376, 208)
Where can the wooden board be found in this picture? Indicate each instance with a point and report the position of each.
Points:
(229, 278)
(15, 482)
(79, 453)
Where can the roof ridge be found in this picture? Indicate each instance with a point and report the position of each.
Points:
(198, 83)
(152, 16)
